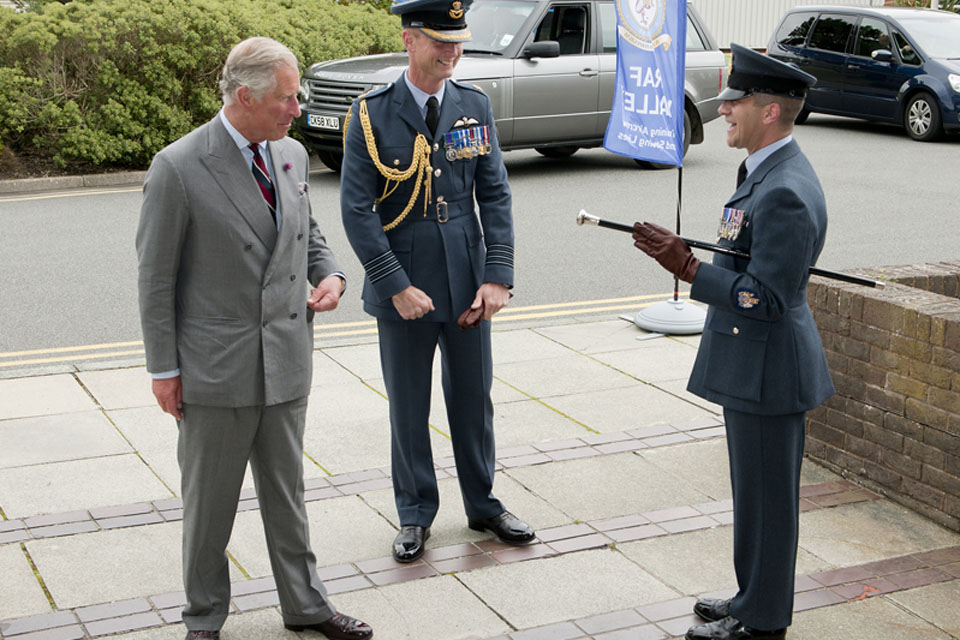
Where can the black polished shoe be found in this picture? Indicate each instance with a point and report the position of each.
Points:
(730, 628)
(408, 545)
(508, 527)
(339, 627)
(198, 635)
(711, 609)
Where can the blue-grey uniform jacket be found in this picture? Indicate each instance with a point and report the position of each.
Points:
(760, 351)
(447, 260)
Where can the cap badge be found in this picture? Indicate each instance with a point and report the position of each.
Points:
(456, 12)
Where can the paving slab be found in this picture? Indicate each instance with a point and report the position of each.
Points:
(438, 608)
(78, 484)
(596, 337)
(22, 595)
(450, 525)
(625, 408)
(120, 388)
(703, 465)
(328, 372)
(699, 561)
(522, 345)
(869, 619)
(859, 533)
(42, 396)
(163, 462)
(936, 603)
(606, 486)
(565, 587)
(147, 428)
(678, 388)
(106, 566)
(562, 376)
(528, 422)
(342, 530)
(363, 360)
(263, 624)
(500, 392)
(72, 436)
(348, 429)
(654, 361)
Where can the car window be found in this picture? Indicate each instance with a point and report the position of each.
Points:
(567, 24)
(936, 33)
(832, 32)
(794, 28)
(694, 41)
(872, 35)
(495, 23)
(908, 54)
(608, 26)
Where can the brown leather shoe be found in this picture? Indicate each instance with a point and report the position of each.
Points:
(207, 635)
(339, 627)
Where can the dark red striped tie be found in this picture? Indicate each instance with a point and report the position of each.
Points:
(263, 179)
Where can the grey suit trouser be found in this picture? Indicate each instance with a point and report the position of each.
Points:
(765, 457)
(214, 446)
(406, 354)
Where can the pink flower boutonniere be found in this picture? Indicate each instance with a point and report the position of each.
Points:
(287, 166)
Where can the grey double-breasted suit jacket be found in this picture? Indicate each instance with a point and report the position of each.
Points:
(222, 291)
(760, 352)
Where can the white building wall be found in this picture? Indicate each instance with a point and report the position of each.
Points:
(751, 22)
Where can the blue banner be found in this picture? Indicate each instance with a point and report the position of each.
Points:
(646, 120)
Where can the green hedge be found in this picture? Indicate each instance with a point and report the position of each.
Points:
(111, 82)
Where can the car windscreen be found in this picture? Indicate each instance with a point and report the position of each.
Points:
(494, 24)
(937, 35)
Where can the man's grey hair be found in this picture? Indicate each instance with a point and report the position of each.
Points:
(253, 64)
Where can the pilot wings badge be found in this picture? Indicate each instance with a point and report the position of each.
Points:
(642, 22)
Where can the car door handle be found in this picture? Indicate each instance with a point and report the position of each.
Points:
(589, 73)
(853, 66)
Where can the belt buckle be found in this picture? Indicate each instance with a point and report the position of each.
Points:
(442, 213)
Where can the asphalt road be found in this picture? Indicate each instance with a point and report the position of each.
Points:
(68, 264)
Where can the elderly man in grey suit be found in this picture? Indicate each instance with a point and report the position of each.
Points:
(227, 248)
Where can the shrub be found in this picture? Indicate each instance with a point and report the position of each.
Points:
(111, 83)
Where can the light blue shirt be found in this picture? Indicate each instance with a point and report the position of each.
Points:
(757, 157)
(420, 96)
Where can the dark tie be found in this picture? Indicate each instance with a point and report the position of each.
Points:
(433, 114)
(741, 173)
(263, 180)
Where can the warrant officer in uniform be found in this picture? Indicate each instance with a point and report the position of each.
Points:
(760, 356)
(421, 159)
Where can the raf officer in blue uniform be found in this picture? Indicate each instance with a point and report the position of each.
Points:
(421, 159)
(760, 355)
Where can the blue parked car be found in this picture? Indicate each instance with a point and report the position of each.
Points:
(889, 64)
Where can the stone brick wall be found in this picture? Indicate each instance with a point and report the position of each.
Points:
(894, 354)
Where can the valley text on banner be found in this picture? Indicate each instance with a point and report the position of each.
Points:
(646, 120)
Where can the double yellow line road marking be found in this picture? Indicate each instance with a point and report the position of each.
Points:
(53, 355)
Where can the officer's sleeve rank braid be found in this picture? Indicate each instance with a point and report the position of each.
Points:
(382, 266)
(419, 167)
(500, 254)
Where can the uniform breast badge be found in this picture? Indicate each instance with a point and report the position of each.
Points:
(463, 144)
(747, 299)
(731, 223)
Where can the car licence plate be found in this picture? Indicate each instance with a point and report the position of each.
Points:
(323, 122)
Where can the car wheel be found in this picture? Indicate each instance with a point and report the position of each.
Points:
(557, 152)
(333, 159)
(802, 116)
(921, 118)
(687, 132)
